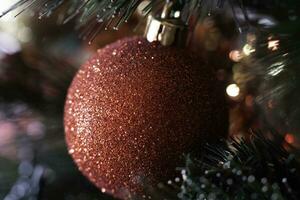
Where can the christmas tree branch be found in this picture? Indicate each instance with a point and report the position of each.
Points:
(114, 12)
(255, 168)
(104, 14)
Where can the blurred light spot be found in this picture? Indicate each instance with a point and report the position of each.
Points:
(284, 180)
(248, 49)
(35, 129)
(273, 45)
(8, 132)
(233, 90)
(8, 44)
(266, 22)
(289, 138)
(25, 168)
(177, 14)
(276, 68)
(251, 179)
(235, 55)
(25, 34)
(71, 151)
(20, 189)
(5, 5)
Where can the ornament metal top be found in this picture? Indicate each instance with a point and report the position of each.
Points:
(167, 27)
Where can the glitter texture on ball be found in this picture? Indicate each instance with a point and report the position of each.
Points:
(135, 108)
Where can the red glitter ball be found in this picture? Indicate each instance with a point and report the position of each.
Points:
(135, 108)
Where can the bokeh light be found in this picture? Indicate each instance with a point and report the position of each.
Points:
(289, 138)
(233, 90)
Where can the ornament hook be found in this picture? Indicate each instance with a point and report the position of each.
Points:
(167, 28)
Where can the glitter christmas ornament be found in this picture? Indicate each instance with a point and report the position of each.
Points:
(134, 109)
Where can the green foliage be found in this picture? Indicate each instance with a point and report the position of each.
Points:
(258, 168)
(107, 11)
(255, 169)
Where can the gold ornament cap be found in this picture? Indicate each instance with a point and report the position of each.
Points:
(168, 28)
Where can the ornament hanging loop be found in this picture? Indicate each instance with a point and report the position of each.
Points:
(167, 27)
